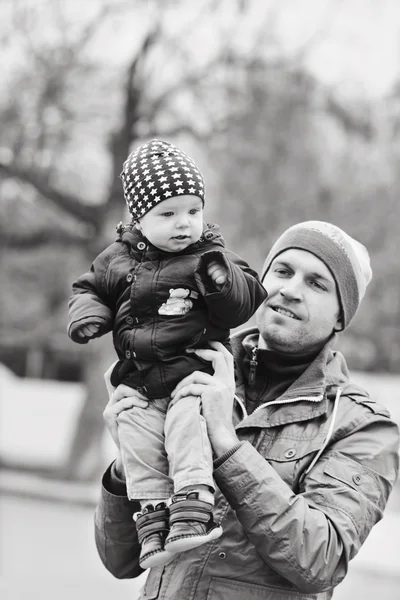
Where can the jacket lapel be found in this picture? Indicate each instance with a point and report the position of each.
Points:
(304, 400)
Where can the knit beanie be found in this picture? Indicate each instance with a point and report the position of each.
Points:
(155, 172)
(347, 259)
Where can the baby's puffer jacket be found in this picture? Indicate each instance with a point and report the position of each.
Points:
(129, 282)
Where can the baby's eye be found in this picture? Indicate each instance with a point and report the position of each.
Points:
(193, 211)
(167, 214)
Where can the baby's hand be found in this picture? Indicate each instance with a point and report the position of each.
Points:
(218, 273)
(88, 330)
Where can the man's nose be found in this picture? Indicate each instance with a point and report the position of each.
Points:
(292, 290)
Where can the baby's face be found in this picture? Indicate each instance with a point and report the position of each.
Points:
(173, 224)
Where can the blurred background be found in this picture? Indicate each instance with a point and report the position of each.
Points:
(291, 110)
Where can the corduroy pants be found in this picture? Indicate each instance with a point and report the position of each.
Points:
(165, 448)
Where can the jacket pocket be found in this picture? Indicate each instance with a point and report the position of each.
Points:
(222, 588)
(152, 586)
(289, 455)
(350, 492)
(354, 474)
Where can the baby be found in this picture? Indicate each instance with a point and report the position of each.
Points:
(166, 285)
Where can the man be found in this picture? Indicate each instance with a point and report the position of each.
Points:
(307, 463)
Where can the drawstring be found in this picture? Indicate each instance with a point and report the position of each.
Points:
(328, 435)
(329, 432)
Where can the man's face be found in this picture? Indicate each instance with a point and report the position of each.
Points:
(302, 309)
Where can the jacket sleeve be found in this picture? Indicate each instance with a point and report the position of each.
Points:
(88, 304)
(239, 297)
(310, 537)
(115, 531)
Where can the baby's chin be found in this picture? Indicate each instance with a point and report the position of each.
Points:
(177, 244)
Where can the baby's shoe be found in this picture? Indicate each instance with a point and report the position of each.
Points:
(152, 528)
(191, 523)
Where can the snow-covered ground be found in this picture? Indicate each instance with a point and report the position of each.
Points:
(38, 419)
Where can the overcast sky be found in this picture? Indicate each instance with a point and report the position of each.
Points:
(354, 44)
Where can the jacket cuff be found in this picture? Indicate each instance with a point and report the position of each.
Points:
(74, 326)
(204, 282)
(112, 484)
(237, 476)
(221, 459)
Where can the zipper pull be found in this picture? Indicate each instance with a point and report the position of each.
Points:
(253, 366)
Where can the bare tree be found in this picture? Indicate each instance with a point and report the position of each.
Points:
(35, 147)
(259, 104)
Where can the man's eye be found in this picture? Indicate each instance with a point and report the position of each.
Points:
(317, 285)
(282, 271)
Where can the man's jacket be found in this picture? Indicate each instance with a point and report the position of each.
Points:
(297, 497)
(130, 281)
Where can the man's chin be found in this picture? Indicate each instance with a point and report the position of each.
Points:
(277, 337)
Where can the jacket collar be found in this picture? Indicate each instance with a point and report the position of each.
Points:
(305, 399)
(140, 245)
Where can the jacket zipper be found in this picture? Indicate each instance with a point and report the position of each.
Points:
(251, 381)
(253, 366)
(287, 401)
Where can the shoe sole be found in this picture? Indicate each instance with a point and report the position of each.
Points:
(182, 544)
(155, 560)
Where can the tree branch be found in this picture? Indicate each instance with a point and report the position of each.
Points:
(353, 123)
(89, 214)
(37, 239)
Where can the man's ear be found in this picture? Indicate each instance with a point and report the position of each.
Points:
(339, 323)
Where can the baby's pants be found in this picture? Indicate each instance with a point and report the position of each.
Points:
(164, 448)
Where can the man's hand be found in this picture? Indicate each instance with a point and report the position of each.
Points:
(120, 398)
(217, 395)
(218, 273)
(88, 330)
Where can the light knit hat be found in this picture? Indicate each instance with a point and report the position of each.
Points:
(155, 172)
(347, 259)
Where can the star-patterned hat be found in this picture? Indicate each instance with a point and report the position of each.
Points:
(155, 172)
